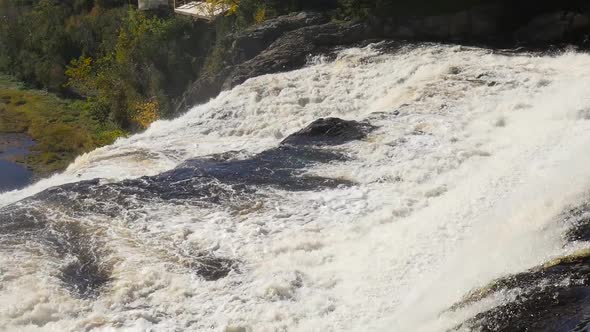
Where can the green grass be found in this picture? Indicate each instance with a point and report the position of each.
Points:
(62, 129)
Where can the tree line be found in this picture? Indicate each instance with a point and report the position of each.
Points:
(130, 66)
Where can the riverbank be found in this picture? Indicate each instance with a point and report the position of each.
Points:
(61, 129)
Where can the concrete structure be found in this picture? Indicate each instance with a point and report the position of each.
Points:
(199, 9)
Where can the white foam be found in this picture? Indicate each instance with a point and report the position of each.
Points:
(474, 155)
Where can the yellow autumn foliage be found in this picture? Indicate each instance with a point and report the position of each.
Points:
(146, 113)
(231, 5)
(260, 15)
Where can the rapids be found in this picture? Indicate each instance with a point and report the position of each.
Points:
(471, 156)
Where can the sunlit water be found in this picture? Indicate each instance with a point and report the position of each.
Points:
(473, 156)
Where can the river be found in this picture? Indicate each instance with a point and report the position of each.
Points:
(451, 173)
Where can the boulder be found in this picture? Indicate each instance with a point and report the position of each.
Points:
(329, 131)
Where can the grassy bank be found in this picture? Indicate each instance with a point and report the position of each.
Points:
(62, 129)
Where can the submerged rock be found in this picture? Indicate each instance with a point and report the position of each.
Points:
(63, 219)
(219, 178)
(329, 131)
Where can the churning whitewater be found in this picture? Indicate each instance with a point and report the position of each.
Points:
(461, 161)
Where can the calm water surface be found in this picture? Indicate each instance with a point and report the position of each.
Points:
(14, 175)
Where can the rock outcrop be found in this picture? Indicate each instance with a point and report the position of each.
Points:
(279, 45)
(253, 41)
(329, 131)
(285, 43)
(292, 50)
(552, 297)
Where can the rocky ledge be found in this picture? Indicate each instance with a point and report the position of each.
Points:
(279, 45)
(286, 42)
(553, 297)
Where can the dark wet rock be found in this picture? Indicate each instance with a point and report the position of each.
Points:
(555, 297)
(20, 219)
(278, 45)
(85, 275)
(554, 27)
(285, 43)
(253, 41)
(578, 220)
(200, 181)
(497, 24)
(212, 268)
(216, 179)
(85, 271)
(329, 131)
(292, 50)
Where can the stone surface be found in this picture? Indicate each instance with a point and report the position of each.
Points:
(329, 131)
(554, 297)
(289, 46)
(251, 42)
(286, 42)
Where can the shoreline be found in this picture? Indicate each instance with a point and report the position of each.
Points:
(14, 149)
(62, 129)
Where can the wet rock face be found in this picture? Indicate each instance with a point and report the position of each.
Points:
(252, 41)
(57, 218)
(85, 271)
(554, 297)
(285, 43)
(292, 50)
(278, 45)
(213, 268)
(579, 219)
(219, 178)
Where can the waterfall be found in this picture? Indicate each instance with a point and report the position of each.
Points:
(209, 222)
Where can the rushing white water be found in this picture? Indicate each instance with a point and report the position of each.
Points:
(474, 155)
